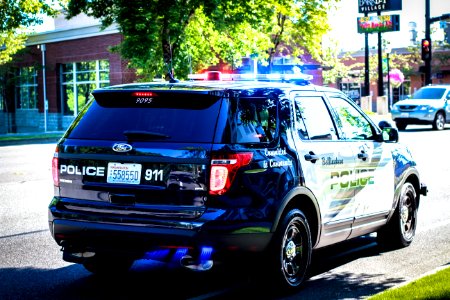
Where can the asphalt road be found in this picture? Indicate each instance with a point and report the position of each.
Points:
(31, 265)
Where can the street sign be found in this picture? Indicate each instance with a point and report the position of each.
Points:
(371, 6)
(376, 24)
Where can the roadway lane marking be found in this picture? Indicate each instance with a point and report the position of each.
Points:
(24, 233)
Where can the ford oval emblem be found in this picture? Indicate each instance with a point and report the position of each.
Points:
(122, 147)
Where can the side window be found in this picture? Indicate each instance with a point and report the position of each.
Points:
(254, 120)
(448, 95)
(314, 121)
(353, 125)
(300, 123)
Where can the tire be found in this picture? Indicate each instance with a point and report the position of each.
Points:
(108, 265)
(439, 121)
(399, 232)
(400, 125)
(291, 251)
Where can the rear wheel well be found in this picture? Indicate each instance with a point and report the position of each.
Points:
(443, 112)
(309, 209)
(414, 180)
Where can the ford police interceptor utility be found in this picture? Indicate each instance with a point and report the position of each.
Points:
(193, 171)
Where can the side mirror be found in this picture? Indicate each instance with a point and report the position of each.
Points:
(384, 124)
(389, 134)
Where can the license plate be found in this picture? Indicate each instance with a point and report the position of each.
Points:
(405, 115)
(124, 173)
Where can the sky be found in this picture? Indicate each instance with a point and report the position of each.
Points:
(344, 24)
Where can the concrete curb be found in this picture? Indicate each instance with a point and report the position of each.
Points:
(12, 139)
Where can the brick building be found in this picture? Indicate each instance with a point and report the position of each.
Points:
(440, 74)
(63, 66)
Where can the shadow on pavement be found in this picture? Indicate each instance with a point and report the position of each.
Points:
(240, 280)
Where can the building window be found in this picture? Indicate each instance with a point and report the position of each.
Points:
(27, 88)
(78, 80)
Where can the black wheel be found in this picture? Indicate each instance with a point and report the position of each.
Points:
(400, 125)
(401, 229)
(439, 121)
(108, 265)
(292, 250)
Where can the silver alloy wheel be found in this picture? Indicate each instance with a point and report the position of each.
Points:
(407, 215)
(439, 122)
(292, 251)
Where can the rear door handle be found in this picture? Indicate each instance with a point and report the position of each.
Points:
(311, 157)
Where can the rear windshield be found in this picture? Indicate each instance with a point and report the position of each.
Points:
(430, 93)
(167, 117)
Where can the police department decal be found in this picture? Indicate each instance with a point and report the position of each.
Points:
(272, 163)
(328, 161)
(122, 147)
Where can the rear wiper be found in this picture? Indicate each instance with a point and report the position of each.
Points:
(144, 135)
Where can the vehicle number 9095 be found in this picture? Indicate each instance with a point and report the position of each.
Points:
(144, 100)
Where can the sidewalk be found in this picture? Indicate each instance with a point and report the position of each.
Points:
(10, 139)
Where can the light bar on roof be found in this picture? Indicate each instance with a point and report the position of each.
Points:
(218, 76)
(197, 76)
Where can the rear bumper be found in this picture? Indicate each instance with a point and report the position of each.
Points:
(414, 117)
(138, 241)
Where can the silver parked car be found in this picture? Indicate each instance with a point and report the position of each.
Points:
(428, 105)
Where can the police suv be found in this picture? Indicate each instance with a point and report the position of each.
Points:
(194, 171)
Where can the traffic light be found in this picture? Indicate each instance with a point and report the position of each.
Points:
(426, 49)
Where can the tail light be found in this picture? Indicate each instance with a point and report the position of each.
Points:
(143, 94)
(55, 168)
(224, 169)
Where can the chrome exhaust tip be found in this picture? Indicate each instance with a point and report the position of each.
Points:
(189, 262)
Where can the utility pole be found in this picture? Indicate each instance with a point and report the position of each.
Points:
(427, 37)
(428, 22)
(380, 64)
(366, 64)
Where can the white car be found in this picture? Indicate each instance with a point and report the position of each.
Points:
(428, 105)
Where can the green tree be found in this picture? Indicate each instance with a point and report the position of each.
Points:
(337, 65)
(163, 35)
(16, 17)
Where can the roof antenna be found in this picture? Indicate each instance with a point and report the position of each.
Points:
(169, 76)
(170, 72)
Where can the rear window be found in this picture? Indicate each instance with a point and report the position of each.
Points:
(429, 93)
(171, 117)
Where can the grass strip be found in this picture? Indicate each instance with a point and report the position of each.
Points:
(19, 137)
(433, 286)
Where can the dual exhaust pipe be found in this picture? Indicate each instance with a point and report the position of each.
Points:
(187, 261)
(190, 263)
